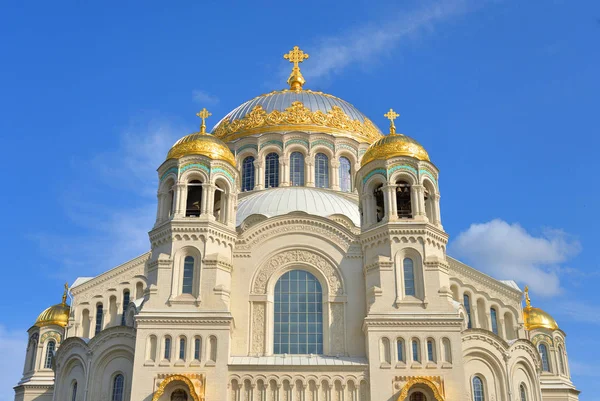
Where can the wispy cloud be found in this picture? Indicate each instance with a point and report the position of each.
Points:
(367, 43)
(579, 311)
(204, 98)
(12, 348)
(103, 230)
(508, 251)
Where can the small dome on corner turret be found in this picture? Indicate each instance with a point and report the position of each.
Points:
(57, 315)
(535, 318)
(201, 143)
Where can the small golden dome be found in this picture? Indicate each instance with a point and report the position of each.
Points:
(535, 318)
(56, 314)
(201, 144)
(394, 145)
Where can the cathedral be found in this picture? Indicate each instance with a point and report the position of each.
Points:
(298, 254)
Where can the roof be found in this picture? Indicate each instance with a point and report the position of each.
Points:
(280, 201)
(298, 360)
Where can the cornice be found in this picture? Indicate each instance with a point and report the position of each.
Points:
(388, 232)
(106, 276)
(180, 229)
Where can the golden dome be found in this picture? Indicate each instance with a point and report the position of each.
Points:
(201, 144)
(394, 145)
(56, 314)
(535, 318)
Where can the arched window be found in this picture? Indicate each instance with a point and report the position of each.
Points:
(403, 201)
(99, 316)
(248, 174)
(171, 202)
(345, 175)
(182, 348)
(272, 170)
(212, 342)
(296, 169)
(179, 395)
(49, 354)
(447, 350)
(418, 396)
(379, 203)
(409, 277)
(561, 359)
(478, 394)
(220, 203)
(321, 170)
(400, 349)
(197, 348)
(74, 391)
(188, 275)
(385, 352)
(467, 305)
(167, 354)
(494, 319)
(118, 388)
(430, 350)
(151, 348)
(34, 345)
(416, 355)
(523, 392)
(543, 349)
(298, 314)
(125, 305)
(193, 206)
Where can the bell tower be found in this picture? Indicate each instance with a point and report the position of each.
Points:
(405, 268)
(184, 325)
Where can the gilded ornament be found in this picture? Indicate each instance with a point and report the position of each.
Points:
(56, 315)
(392, 115)
(394, 145)
(179, 378)
(295, 56)
(535, 318)
(424, 381)
(297, 117)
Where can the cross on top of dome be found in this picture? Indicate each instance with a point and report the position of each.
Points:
(295, 56)
(203, 114)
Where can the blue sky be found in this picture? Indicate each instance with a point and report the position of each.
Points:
(503, 95)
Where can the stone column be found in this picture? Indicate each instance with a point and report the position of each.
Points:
(436, 211)
(284, 172)
(334, 177)
(259, 175)
(179, 199)
(309, 175)
(474, 315)
(417, 200)
(210, 199)
(161, 205)
(393, 205)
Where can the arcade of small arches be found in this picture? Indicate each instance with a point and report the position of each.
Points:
(415, 352)
(402, 196)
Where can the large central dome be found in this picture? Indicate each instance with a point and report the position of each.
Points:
(302, 110)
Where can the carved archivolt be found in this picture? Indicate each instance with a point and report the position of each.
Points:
(420, 380)
(284, 258)
(183, 379)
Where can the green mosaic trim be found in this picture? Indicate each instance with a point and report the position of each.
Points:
(362, 152)
(297, 141)
(348, 147)
(397, 167)
(169, 171)
(272, 142)
(430, 175)
(189, 166)
(248, 146)
(374, 172)
(323, 142)
(224, 171)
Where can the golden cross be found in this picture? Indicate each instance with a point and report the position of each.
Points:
(203, 114)
(527, 300)
(296, 56)
(64, 298)
(392, 115)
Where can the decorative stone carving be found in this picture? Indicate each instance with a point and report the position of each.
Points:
(303, 256)
(258, 328)
(338, 340)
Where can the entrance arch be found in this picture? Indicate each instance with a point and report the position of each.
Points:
(175, 381)
(422, 385)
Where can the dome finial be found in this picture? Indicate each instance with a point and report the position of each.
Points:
(64, 298)
(527, 299)
(203, 114)
(296, 80)
(392, 115)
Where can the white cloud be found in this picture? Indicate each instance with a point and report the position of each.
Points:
(579, 311)
(109, 215)
(13, 344)
(365, 44)
(204, 98)
(507, 251)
